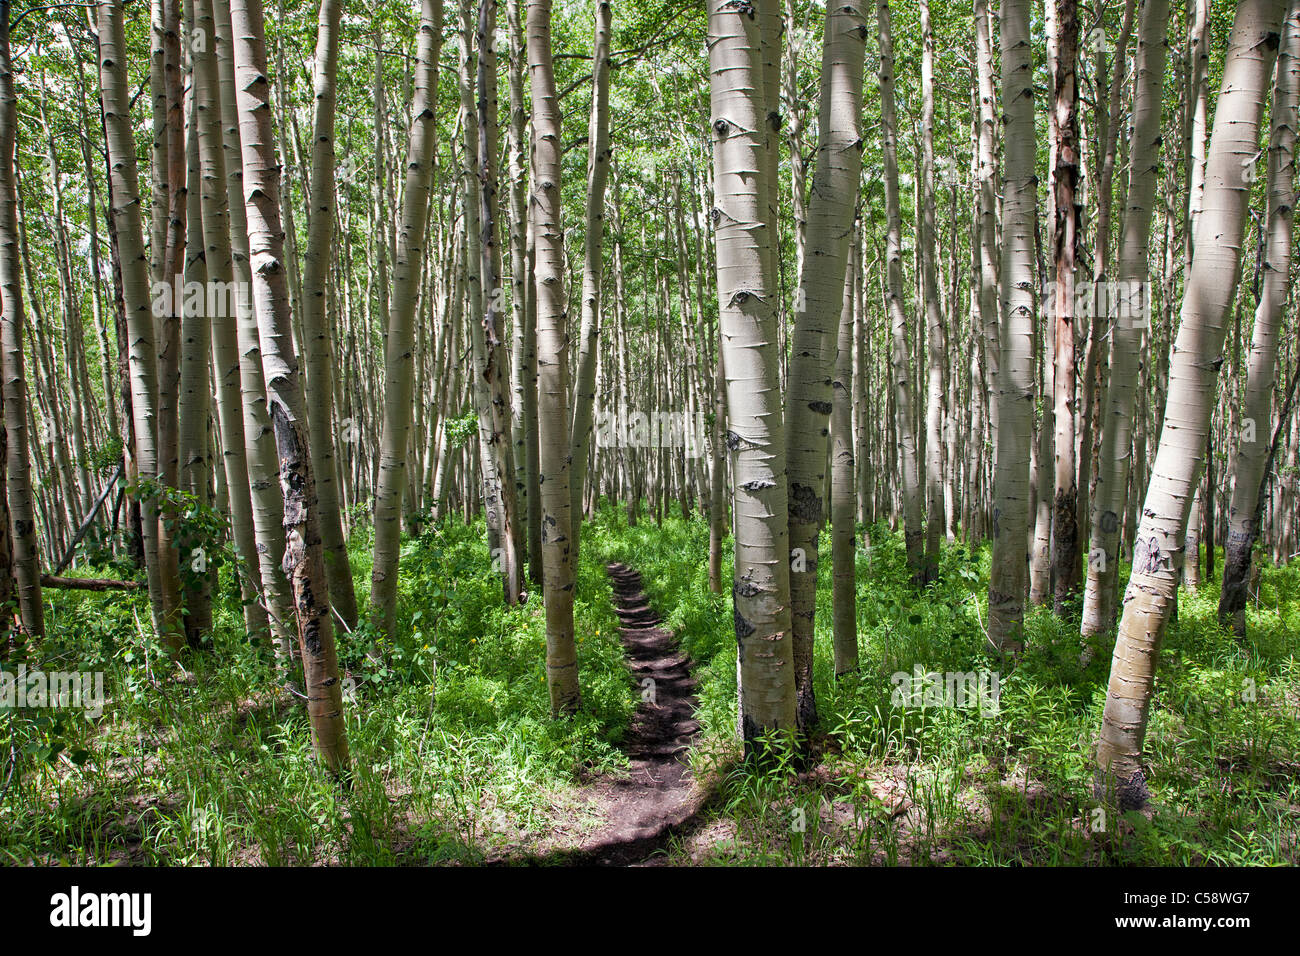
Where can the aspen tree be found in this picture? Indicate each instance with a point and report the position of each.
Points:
(398, 349)
(18, 550)
(486, 325)
(747, 313)
(318, 320)
(598, 156)
(1252, 453)
(936, 330)
(303, 553)
(844, 489)
(125, 191)
(1015, 382)
(1206, 307)
(523, 367)
(218, 260)
(259, 441)
(194, 400)
(1128, 323)
(818, 306)
(900, 355)
(553, 414)
(1065, 240)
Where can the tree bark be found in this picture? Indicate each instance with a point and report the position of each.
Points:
(747, 289)
(318, 320)
(398, 349)
(1252, 448)
(818, 306)
(1207, 301)
(1127, 314)
(1015, 390)
(304, 560)
(554, 471)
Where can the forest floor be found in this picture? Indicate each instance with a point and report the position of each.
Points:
(455, 758)
(641, 807)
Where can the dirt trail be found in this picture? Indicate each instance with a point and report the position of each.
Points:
(658, 796)
(659, 793)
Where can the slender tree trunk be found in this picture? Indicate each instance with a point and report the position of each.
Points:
(1252, 448)
(523, 368)
(747, 312)
(304, 559)
(844, 492)
(135, 290)
(1207, 301)
(194, 406)
(225, 345)
(937, 332)
(317, 318)
(913, 506)
(598, 155)
(168, 320)
(1065, 241)
(1128, 321)
(818, 304)
(25, 578)
(489, 340)
(1015, 394)
(1099, 343)
(259, 442)
(989, 250)
(398, 349)
(553, 419)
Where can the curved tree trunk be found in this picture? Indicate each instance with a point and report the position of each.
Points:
(1193, 371)
(1253, 446)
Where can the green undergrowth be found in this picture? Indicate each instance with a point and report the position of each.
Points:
(453, 749)
(904, 781)
(456, 759)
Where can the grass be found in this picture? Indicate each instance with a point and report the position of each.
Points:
(1015, 787)
(457, 760)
